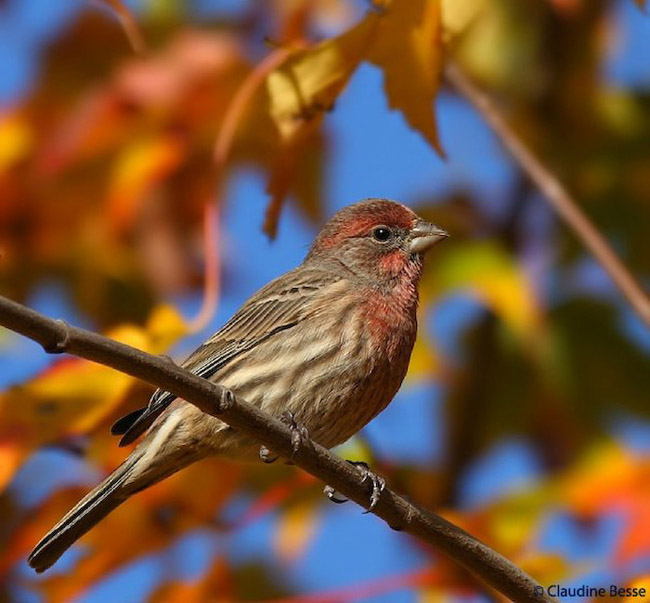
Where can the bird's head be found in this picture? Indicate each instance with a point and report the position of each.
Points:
(376, 238)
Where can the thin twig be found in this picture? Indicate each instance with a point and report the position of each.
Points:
(555, 193)
(222, 148)
(399, 513)
(129, 25)
(239, 103)
(212, 280)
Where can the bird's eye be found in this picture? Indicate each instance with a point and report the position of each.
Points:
(382, 234)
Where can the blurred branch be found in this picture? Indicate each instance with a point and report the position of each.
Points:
(211, 284)
(129, 25)
(57, 337)
(239, 102)
(556, 194)
(221, 152)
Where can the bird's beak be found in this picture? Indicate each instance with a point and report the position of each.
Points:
(424, 236)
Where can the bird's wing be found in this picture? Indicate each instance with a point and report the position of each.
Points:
(280, 305)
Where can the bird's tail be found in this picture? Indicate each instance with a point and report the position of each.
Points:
(137, 472)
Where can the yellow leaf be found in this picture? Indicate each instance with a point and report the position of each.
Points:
(458, 16)
(548, 568)
(16, 139)
(164, 328)
(74, 396)
(10, 459)
(308, 83)
(609, 464)
(492, 275)
(408, 48)
(424, 361)
(513, 520)
(294, 530)
(640, 582)
(138, 168)
(433, 595)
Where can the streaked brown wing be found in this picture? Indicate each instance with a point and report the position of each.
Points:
(280, 305)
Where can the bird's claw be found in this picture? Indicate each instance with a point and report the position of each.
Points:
(377, 481)
(299, 433)
(334, 496)
(266, 455)
(299, 436)
(378, 486)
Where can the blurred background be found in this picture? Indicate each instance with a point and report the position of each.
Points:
(524, 417)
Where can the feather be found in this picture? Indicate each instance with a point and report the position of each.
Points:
(281, 305)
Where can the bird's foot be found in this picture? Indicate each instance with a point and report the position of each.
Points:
(299, 434)
(377, 481)
(334, 496)
(378, 486)
(266, 455)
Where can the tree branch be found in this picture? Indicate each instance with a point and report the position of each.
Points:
(559, 198)
(56, 337)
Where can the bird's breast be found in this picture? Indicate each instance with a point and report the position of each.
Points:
(335, 371)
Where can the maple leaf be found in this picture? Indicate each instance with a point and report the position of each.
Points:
(488, 272)
(294, 530)
(73, 396)
(308, 83)
(408, 48)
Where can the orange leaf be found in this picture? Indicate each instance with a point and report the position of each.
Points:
(408, 48)
(148, 522)
(294, 529)
(16, 139)
(492, 275)
(215, 587)
(308, 83)
(635, 540)
(73, 396)
(138, 168)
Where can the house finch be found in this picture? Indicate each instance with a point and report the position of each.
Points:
(328, 342)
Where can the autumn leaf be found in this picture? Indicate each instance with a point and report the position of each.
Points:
(137, 169)
(424, 360)
(404, 39)
(300, 91)
(308, 83)
(148, 522)
(457, 16)
(294, 530)
(214, 586)
(612, 479)
(408, 48)
(486, 271)
(16, 139)
(300, 156)
(74, 395)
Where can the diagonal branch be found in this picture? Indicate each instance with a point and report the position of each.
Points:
(558, 197)
(56, 337)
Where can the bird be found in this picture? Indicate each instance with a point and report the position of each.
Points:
(326, 346)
